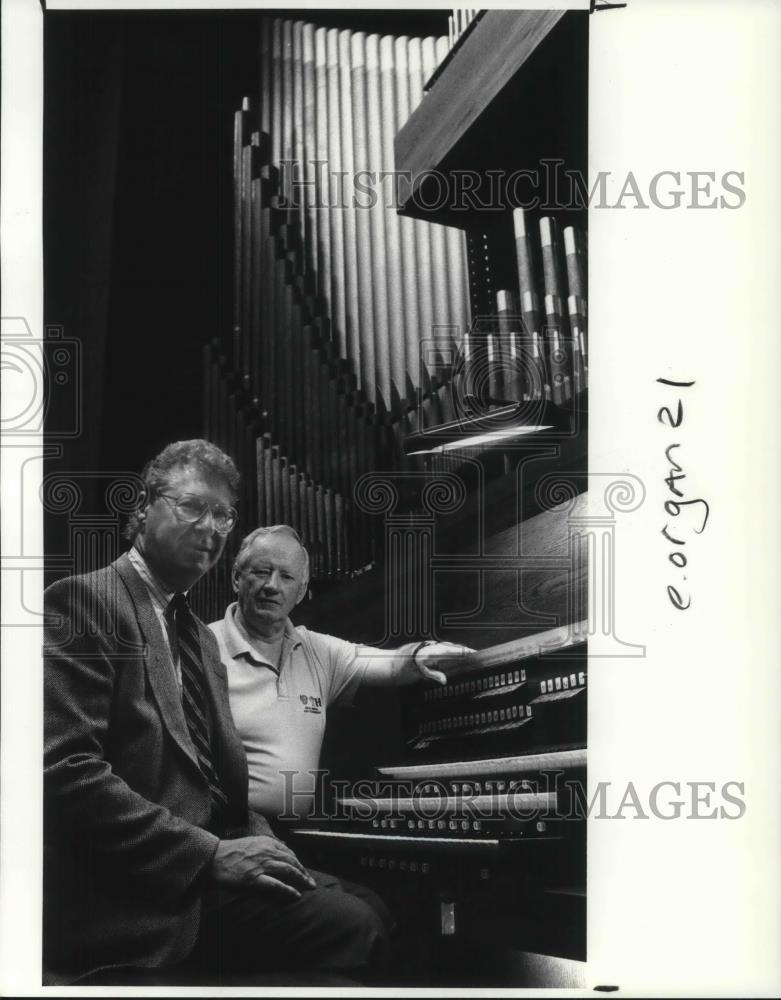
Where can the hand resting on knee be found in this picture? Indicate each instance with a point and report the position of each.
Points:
(263, 863)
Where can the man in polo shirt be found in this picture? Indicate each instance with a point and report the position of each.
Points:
(283, 678)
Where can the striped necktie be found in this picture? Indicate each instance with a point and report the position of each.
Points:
(193, 697)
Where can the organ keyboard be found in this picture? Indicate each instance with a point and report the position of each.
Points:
(464, 824)
(505, 705)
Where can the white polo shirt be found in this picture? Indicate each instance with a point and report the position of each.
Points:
(280, 717)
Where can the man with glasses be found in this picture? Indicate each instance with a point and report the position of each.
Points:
(152, 858)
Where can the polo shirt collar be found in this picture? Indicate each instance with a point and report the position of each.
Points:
(237, 642)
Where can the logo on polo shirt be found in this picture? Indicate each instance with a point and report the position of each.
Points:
(311, 703)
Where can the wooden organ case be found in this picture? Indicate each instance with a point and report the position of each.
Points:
(406, 384)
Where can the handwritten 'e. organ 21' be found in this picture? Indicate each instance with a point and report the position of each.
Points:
(677, 502)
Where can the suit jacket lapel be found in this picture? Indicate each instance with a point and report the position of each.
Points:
(159, 668)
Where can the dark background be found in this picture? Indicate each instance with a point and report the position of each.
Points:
(138, 135)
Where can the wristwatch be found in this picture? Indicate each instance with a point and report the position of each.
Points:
(421, 645)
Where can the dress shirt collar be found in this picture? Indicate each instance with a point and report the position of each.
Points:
(161, 596)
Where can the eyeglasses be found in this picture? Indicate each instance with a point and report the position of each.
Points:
(190, 508)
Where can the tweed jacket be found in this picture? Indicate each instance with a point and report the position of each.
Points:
(126, 806)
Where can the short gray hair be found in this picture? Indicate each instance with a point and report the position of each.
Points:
(272, 529)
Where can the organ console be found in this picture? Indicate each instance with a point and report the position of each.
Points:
(405, 383)
(491, 803)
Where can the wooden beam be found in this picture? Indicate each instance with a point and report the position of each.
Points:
(500, 43)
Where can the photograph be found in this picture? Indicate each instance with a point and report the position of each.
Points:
(377, 442)
(322, 281)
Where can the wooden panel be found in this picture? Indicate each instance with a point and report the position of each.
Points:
(505, 605)
(499, 45)
(496, 605)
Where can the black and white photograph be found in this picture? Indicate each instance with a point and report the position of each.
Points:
(379, 495)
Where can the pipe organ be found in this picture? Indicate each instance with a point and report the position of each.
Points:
(406, 386)
(326, 369)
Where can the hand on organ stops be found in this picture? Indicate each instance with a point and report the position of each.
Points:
(429, 660)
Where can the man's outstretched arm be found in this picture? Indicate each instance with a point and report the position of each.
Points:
(411, 663)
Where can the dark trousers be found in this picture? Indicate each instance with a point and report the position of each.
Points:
(335, 935)
(338, 927)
